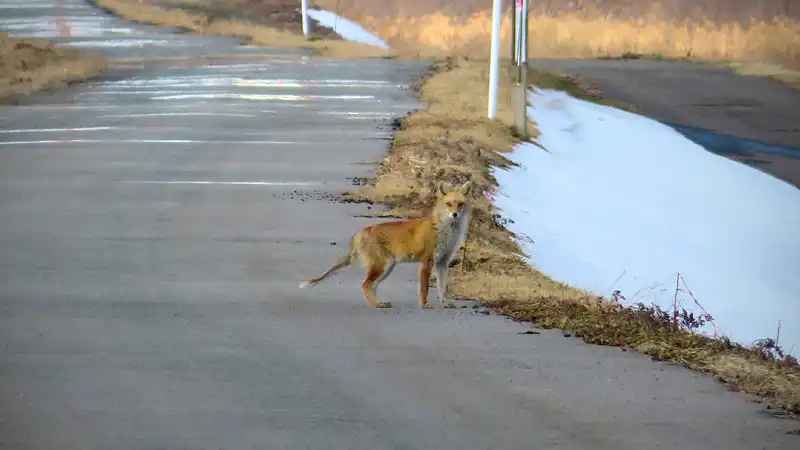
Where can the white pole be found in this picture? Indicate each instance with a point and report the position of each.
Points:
(494, 58)
(524, 25)
(304, 8)
(517, 31)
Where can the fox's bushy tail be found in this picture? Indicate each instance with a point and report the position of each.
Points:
(341, 263)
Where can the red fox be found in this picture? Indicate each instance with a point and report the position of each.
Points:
(432, 241)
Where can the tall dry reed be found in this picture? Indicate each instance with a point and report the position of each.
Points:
(592, 34)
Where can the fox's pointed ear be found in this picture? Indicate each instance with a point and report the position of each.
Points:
(441, 188)
(466, 188)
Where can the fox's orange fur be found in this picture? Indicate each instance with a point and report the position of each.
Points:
(432, 241)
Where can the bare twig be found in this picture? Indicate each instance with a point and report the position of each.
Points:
(675, 303)
(708, 316)
(617, 280)
(464, 257)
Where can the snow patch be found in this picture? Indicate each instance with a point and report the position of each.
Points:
(347, 29)
(622, 202)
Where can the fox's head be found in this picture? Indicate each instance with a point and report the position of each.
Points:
(452, 204)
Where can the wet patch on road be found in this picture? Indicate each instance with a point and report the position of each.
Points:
(777, 160)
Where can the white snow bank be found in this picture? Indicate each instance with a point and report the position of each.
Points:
(622, 202)
(347, 29)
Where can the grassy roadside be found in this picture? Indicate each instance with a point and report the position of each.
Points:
(452, 140)
(204, 23)
(753, 69)
(30, 65)
(776, 72)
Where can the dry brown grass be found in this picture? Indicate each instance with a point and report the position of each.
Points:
(256, 34)
(453, 140)
(756, 69)
(588, 33)
(30, 65)
(720, 11)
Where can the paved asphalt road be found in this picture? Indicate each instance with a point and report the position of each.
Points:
(705, 97)
(156, 222)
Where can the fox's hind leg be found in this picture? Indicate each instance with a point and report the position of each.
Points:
(377, 271)
(387, 270)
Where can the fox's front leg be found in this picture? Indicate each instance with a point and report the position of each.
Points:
(440, 271)
(424, 279)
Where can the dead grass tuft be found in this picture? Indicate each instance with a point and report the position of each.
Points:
(649, 330)
(210, 24)
(787, 76)
(30, 65)
(452, 140)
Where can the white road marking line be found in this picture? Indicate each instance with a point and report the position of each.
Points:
(65, 106)
(126, 43)
(258, 96)
(184, 114)
(51, 130)
(356, 113)
(232, 183)
(148, 141)
(62, 107)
